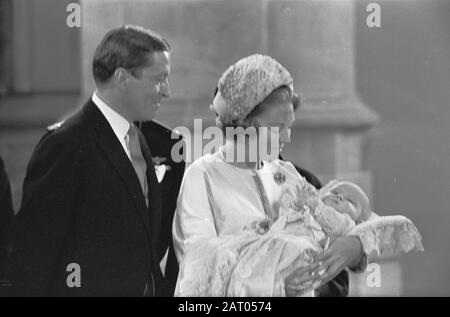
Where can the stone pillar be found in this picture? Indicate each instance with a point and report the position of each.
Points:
(316, 41)
(39, 66)
(5, 46)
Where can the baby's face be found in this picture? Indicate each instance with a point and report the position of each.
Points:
(338, 199)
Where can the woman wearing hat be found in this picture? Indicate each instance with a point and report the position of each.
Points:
(224, 194)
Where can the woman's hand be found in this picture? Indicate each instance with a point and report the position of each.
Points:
(343, 252)
(299, 280)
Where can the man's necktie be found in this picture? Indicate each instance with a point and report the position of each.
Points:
(137, 159)
(140, 166)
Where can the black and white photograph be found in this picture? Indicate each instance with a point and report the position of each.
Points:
(200, 149)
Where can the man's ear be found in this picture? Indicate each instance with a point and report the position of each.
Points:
(121, 78)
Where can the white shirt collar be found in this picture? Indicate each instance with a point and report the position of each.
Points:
(119, 124)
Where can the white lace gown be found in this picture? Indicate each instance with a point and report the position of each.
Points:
(220, 256)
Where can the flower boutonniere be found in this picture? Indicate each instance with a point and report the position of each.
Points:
(279, 177)
(160, 169)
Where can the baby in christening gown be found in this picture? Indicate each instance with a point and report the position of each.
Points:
(307, 219)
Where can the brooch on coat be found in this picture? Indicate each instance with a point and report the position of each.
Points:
(279, 177)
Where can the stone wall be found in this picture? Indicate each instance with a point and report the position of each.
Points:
(313, 39)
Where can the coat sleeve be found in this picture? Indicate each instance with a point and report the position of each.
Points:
(194, 220)
(41, 226)
(337, 287)
(169, 203)
(6, 215)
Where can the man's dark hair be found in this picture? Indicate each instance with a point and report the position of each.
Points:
(127, 46)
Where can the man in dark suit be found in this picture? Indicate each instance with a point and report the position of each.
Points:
(6, 216)
(91, 214)
(161, 140)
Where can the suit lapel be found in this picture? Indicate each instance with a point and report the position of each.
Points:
(154, 189)
(111, 146)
